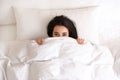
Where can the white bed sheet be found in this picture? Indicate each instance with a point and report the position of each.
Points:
(114, 46)
(56, 59)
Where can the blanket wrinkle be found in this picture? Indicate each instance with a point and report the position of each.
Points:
(57, 59)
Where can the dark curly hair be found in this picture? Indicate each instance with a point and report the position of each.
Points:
(62, 21)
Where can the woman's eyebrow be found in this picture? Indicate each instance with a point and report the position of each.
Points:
(64, 32)
(55, 32)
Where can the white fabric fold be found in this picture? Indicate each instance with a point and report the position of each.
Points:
(58, 59)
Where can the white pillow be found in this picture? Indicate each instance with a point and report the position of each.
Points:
(32, 23)
(7, 15)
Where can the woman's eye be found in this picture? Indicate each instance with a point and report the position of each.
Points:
(64, 34)
(56, 34)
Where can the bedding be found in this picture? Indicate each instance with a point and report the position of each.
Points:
(57, 59)
(35, 21)
(114, 46)
(7, 15)
(7, 32)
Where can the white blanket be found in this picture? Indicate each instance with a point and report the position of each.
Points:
(56, 59)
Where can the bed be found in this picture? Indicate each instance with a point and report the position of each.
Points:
(21, 58)
(56, 59)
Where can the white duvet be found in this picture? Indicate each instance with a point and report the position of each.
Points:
(55, 59)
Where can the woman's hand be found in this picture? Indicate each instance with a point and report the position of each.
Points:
(40, 41)
(80, 41)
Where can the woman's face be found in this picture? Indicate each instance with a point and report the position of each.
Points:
(60, 31)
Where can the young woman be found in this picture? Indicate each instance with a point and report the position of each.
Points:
(61, 26)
